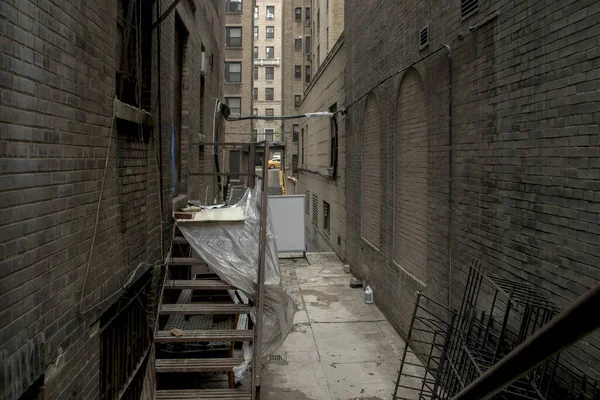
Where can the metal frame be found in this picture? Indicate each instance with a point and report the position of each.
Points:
(496, 325)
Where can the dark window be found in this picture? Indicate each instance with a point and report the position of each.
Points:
(181, 37)
(270, 12)
(233, 71)
(269, 93)
(255, 32)
(298, 14)
(297, 100)
(270, 52)
(125, 331)
(270, 32)
(326, 218)
(307, 77)
(255, 51)
(303, 138)
(234, 5)
(235, 104)
(255, 90)
(294, 163)
(318, 20)
(255, 73)
(298, 72)
(307, 16)
(295, 133)
(269, 73)
(269, 134)
(307, 43)
(234, 36)
(254, 135)
(333, 134)
(269, 112)
(318, 56)
(298, 44)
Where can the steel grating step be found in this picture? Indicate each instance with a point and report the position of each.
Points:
(204, 394)
(197, 284)
(180, 240)
(205, 308)
(196, 364)
(193, 336)
(186, 261)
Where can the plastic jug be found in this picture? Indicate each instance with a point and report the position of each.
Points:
(368, 295)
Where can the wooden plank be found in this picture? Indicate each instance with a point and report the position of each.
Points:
(214, 394)
(205, 308)
(196, 364)
(194, 336)
(207, 284)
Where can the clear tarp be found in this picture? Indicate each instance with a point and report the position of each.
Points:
(231, 248)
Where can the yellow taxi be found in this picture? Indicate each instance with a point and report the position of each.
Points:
(275, 162)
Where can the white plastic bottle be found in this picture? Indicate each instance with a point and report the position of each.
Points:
(368, 295)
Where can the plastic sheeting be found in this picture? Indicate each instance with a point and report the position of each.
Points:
(231, 251)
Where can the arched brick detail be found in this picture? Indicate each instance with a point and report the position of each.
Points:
(370, 142)
(411, 158)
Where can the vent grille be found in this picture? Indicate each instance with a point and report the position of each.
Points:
(277, 357)
(315, 212)
(307, 202)
(468, 7)
(424, 37)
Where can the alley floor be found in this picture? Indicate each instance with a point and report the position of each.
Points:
(340, 347)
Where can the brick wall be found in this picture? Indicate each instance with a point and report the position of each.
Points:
(57, 84)
(525, 148)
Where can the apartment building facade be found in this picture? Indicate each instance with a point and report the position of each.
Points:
(472, 134)
(267, 55)
(102, 112)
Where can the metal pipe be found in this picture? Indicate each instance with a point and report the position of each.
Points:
(579, 319)
(160, 148)
(450, 186)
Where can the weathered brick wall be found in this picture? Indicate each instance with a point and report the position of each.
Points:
(525, 147)
(57, 85)
(326, 90)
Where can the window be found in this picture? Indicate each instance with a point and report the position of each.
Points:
(298, 72)
(254, 135)
(327, 41)
(318, 20)
(318, 56)
(303, 138)
(255, 12)
(307, 77)
(307, 16)
(269, 112)
(269, 93)
(255, 74)
(307, 45)
(297, 100)
(233, 5)
(315, 210)
(234, 36)
(327, 5)
(233, 71)
(295, 133)
(269, 134)
(235, 104)
(333, 135)
(326, 218)
(298, 14)
(270, 12)
(294, 163)
(255, 111)
(270, 32)
(270, 73)
(255, 32)
(298, 44)
(255, 94)
(255, 51)
(181, 37)
(270, 52)
(307, 202)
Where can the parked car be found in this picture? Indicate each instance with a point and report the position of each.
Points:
(275, 162)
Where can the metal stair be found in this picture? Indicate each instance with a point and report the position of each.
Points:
(213, 394)
(197, 364)
(195, 336)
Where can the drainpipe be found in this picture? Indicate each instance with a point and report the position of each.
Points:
(450, 186)
(160, 149)
(335, 143)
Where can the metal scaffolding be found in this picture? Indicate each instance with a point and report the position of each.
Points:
(496, 315)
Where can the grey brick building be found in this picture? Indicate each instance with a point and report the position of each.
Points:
(504, 169)
(85, 198)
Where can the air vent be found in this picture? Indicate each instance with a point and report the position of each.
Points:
(424, 37)
(468, 7)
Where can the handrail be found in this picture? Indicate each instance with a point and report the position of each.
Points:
(579, 319)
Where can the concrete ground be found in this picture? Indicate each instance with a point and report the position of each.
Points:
(340, 347)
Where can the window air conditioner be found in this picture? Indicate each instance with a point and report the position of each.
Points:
(270, 16)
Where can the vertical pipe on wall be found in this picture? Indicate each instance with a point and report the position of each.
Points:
(160, 149)
(449, 177)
